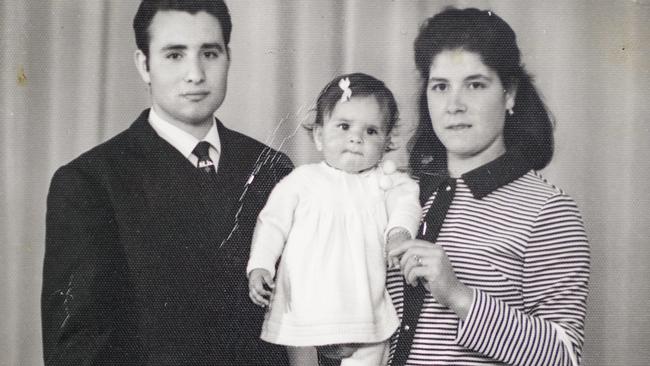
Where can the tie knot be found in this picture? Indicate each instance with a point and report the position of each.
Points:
(202, 150)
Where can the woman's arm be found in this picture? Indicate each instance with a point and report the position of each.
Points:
(549, 330)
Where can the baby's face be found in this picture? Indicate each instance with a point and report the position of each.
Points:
(353, 137)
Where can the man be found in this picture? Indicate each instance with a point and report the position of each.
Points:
(148, 234)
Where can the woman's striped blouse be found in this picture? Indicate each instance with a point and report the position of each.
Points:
(520, 243)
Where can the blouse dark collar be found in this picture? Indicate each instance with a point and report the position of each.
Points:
(487, 178)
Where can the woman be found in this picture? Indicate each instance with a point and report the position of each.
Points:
(499, 273)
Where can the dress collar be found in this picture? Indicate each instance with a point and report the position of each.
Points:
(486, 178)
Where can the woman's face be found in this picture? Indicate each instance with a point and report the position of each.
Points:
(467, 105)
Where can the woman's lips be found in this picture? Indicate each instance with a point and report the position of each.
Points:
(459, 126)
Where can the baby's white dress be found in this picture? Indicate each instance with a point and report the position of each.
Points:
(329, 229)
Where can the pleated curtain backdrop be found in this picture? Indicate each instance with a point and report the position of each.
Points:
(67, 83)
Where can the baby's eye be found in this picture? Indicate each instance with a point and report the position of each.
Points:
(343, 126)
(439, 87)
(477, 85)
(372, 131)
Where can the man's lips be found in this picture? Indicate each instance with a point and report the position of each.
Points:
(195, 95)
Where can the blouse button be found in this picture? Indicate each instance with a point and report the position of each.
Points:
(448, 189)
(407, 328)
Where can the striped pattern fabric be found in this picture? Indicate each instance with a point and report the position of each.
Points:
(524, 251)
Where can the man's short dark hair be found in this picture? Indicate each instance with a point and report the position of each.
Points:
(149, 8)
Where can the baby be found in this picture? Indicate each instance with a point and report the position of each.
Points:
(328, 224)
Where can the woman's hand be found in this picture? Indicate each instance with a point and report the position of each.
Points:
(428, 263)
(260, 286)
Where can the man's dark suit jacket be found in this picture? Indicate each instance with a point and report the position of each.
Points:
(137, 268)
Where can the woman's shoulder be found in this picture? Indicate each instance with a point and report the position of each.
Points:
(534, 184)
(534, 197)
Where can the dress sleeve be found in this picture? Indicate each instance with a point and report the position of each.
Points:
(83, 274)
(273, 225)
(549, 330)
(403, 204)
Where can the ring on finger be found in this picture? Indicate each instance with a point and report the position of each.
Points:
(418, 260)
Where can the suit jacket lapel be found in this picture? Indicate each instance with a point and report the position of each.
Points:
(232, 172)
(163, 168)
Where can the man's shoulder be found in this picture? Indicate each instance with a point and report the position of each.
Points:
(248, 148)
(120, 147)
(244, 142)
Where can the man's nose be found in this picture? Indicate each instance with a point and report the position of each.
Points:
(195, 72)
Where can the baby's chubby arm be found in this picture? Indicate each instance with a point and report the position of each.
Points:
(402, 207)
(271, 232)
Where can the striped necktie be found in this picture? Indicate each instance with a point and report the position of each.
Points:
(202, 152)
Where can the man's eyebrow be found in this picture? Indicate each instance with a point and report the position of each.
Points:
(204, 46)
(174, 47)
(216, 46)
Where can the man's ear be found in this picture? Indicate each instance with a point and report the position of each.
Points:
(318, 137)
(141, 64)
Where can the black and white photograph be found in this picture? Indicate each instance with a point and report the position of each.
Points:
(324, 182)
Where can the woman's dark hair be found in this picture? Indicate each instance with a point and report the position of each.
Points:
(361, 85)
(529, 130)
(149, 8)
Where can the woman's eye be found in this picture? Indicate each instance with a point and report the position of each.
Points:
(477, 85)
(343, 126)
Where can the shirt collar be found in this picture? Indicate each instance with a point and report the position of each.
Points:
(179, 139)
(486, 178)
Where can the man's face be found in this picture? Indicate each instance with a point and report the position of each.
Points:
(187, 67)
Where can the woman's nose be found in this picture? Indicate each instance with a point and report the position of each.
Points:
(456, 103)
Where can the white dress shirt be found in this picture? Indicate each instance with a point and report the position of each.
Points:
(185, 142)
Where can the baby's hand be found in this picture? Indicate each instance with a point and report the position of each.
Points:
(396, 236)
(260, 286)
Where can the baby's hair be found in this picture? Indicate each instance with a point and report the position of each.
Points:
(361, 85)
